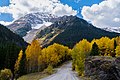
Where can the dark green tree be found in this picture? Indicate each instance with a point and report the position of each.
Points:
(95, 50)
(115, 45)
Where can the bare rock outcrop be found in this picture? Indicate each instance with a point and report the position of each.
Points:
(102, 68)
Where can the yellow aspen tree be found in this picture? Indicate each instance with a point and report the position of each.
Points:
(17, 64)
(117, 40)
(53, 55)
(79, 53)
(117, 51)
(103, 45)
(32, 53)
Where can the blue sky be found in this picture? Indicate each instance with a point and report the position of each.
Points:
(101, 13)
(78, 5)
(4, 3)
(73, 3)
(5, 16)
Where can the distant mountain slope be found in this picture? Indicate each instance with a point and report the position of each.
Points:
(112, 29)
(29, 22)
(69, 30)
(8, 36)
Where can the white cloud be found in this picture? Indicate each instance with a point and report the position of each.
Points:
(104, 14)
(116, 20)
(5, 23)
(19, 8)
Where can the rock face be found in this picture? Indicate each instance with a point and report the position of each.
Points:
(30, 21)
(69, 30)
(102, 68)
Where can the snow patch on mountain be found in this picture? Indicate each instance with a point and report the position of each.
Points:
(40, 25)
(112, 29)
(30, 36)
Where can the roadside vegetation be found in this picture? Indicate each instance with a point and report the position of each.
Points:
(38, 75)
(38, 59)
(97, 47)
(38, 62)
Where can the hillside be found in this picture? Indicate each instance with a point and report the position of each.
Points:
(49, 29)
(7, 36)
(69, 30)
(10, 45)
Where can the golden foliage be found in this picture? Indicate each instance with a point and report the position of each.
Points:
(54, 54)
(38, 58)
(79, 53)
(17, 64)
(118, 51)
(6, 74)
(32, 53)
(106, 46)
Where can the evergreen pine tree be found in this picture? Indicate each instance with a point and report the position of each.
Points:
(95, 50)
(115, 45)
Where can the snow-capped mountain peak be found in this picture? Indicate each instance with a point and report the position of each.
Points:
(31, 21)
(112, 29)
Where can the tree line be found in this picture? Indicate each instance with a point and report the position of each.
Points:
(97, 47)
(36, 59)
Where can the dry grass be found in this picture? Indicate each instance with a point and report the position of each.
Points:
(33, 76)
(39, 75)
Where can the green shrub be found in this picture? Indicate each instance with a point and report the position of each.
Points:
(49, 70)
(5, 74)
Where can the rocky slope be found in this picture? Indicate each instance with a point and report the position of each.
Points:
(29, 22)
(66, 30)
(69, 30)
(102, 68)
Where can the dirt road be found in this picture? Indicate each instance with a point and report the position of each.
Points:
(64, 73)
